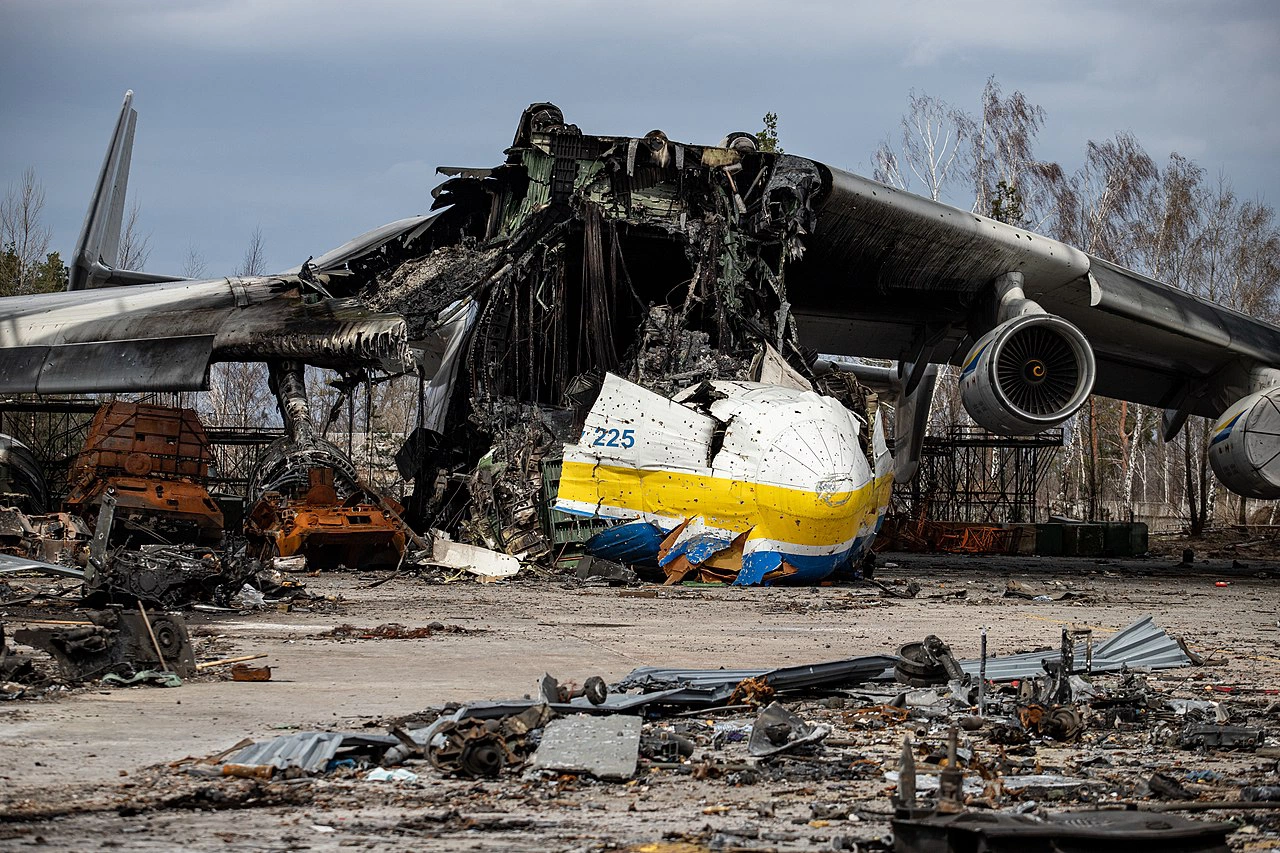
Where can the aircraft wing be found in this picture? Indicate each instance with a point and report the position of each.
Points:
(890, 274)
(163, 337)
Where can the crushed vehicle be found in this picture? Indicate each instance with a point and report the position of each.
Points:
(307, 499)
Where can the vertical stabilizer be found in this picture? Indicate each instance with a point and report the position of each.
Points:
(98, 249)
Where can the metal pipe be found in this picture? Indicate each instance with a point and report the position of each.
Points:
(982, 676)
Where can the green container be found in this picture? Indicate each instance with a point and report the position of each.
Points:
(1090, 540)
(563, 528)
(1139, 543)
(1116, 540)
(1049, 540)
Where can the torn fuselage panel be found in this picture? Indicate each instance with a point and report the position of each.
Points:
(581, 255)
(788, 479)
(597, 231)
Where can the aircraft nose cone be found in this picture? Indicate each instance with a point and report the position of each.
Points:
(813, 456)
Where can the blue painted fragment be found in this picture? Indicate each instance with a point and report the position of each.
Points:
(633, 543)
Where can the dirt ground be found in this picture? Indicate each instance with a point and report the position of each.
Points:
(91, 768)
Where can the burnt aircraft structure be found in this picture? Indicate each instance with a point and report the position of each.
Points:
(673, 267)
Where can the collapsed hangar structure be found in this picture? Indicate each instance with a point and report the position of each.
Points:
(670, 265)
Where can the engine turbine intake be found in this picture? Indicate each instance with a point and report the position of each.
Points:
(1027, 374)
(1244, 449)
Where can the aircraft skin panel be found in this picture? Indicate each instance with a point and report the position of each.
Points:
(794, 487)
(828, 538)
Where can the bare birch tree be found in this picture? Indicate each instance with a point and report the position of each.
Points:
(1004, 168)
(193, 265)
(255, 258)
(135, 247)
(24, 238)
(931, 146)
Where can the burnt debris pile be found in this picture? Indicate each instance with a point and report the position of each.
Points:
(1079, 743)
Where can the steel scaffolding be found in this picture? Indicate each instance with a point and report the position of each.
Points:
(55, 429)
(971, 475)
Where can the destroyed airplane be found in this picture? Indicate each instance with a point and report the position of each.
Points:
(638, 286)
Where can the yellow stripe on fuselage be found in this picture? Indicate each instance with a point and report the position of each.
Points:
(780, 513)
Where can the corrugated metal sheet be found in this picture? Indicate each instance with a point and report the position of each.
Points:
(1142, 644)
(312, 751)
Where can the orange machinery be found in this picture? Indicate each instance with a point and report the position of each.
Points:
(357, 532)
(156, 459)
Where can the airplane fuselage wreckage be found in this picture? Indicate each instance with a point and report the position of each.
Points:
(643, 319)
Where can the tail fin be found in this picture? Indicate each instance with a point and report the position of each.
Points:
(98, 249)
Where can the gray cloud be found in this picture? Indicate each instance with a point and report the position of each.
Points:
(318, 120)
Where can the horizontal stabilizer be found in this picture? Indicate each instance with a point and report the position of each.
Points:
(144, 364)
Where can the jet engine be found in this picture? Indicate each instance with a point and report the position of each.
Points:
(1027, 374)
(1244, 449)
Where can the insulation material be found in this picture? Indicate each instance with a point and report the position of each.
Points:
(456, 323)
(771, 368)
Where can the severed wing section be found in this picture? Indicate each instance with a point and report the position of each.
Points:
(124, 330)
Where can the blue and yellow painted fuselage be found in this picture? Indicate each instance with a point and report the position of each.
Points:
(765, 484)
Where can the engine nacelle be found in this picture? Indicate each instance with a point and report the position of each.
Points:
(1244, 448)
(1027, 374)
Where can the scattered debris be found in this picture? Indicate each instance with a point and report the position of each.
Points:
(1221, 737)
(777, 730)
(307, 753)
(483, 748)
(115, 640)
(390, 631)
(598, 567)
(1018, 833)
(486, 564)
(245, 672)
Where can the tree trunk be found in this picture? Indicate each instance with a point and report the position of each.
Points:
(1093, 459)
(1197, 525)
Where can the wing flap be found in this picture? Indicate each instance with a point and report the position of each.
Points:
(144, 364)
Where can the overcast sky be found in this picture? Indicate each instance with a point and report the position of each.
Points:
(320, 120)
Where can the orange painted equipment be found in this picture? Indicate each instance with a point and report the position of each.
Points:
(330, 532)
(156, 459)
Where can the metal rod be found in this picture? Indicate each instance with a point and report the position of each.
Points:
(152, 634)
(225, 661)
